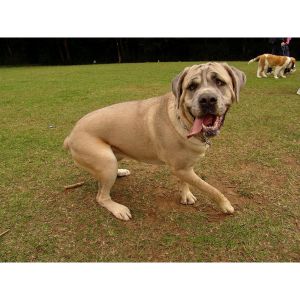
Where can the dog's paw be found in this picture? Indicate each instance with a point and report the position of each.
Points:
(121, 212)
(118, 210)
(123, 172)
(188, 198)
(226, 207)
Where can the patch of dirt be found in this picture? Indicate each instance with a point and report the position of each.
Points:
(290, 161)
(167, 199)
(143, 191)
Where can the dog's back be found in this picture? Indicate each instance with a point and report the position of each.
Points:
(257, 58)
(271, 60)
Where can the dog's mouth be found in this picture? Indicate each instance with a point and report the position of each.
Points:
(209, 125)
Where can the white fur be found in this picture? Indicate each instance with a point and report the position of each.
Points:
(123, 172)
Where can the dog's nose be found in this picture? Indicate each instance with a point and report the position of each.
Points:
(207, 100)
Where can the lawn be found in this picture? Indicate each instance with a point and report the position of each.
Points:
(254, 162)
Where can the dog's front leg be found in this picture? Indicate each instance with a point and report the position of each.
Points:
(190, 177)
(186, 196)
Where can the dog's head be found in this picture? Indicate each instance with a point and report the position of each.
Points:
(204, 94)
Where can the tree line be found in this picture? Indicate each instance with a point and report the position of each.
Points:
(66, 51)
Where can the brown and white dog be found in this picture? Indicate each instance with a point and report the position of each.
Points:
(280, 63)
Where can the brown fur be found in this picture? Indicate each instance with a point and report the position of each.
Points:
(280, 63)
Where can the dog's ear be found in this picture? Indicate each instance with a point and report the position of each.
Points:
(177, 85)
(238, 79)
(293, 61)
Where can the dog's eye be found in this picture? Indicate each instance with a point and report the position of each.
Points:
(192, 86)
(219, 82)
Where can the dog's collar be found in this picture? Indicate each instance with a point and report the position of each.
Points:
(200, 137)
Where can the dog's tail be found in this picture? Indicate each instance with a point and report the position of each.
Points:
(254, 59)
(66, 143)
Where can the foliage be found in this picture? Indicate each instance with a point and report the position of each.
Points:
(57, 51)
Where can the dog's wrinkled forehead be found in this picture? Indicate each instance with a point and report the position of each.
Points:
(205, 71)
(231, 79)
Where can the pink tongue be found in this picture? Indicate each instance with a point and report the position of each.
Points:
(197, 127)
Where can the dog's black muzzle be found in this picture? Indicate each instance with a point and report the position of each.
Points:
(208, 103)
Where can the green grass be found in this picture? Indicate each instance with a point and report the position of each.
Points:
(254, 162)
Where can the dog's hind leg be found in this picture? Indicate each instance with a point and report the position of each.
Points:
(98, 159)
(119, 157)
(123, 172)
(259, 69)
(265, 70)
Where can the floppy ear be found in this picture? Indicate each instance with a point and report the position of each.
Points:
(238, 79)
(177, 85)
(293, 61)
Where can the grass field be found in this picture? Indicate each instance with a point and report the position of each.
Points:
(254, 162)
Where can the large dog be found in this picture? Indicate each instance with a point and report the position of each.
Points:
(173, 129)
(279, 63)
